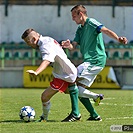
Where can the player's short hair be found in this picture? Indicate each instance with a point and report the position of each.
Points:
(26, 33)
(79, 8)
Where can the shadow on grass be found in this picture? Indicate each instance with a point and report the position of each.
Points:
(21, 121)
(8, 121)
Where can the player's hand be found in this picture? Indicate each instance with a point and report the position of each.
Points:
(123, 40)
(65, 44)
(31, 72)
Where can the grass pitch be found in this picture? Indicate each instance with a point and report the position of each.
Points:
(115, 109)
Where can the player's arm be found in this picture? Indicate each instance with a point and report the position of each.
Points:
(43, 66)
(113, 35)
(68, 44)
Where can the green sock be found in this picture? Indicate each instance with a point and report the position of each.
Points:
(73, 90)
(86, 102)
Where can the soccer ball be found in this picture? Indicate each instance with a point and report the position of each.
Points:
(27, 113)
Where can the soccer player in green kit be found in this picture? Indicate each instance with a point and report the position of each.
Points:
(89, 37)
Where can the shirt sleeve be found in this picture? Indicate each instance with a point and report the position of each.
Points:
(96, 24)
(99, 28)
(48, 54)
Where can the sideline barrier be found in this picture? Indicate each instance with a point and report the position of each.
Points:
(105, 79)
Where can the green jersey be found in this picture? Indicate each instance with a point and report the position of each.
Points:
(91, 42)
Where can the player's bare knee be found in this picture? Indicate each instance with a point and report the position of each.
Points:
(46, 103)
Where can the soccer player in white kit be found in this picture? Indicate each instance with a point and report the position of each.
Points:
(64, 71)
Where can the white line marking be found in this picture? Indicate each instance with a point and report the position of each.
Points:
(109, 98)
(119, 118)
(113, 104)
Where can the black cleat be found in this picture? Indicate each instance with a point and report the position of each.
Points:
(72, 118)
(94, 119)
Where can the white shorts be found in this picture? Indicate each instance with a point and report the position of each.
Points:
(87, 73)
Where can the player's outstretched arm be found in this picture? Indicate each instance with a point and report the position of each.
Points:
(43, 66)
(113, 35)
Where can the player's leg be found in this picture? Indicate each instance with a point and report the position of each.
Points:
(74, 115)
(93, 114)
(86, 76)
(45, 98)
(73, 90)
(55, 86)
(83, 92)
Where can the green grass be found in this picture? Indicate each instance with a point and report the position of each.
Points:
(115, 109)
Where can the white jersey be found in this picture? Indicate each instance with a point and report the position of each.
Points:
(52, 51)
